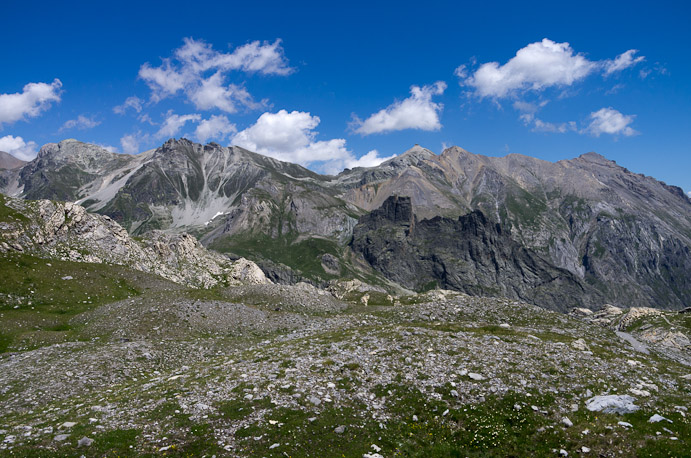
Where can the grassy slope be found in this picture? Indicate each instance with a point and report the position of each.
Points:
(36, 304)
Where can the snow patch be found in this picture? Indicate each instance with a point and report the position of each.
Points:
(214, 217)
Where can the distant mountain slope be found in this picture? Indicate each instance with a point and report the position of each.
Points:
(8, 171)
(9, 162)
(624, 234)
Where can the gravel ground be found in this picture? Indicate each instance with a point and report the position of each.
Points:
(159, 364)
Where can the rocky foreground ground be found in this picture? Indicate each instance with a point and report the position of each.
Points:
(156, 369)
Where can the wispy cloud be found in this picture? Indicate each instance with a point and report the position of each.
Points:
(622, 62)
(538, 125)
(81, 123)
(131, 103)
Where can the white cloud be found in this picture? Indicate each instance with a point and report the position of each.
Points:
(81, 123)
(186, 72)
(528, 107)
(34, 98)
(164, 81)
(216, 127)
(173, 123)
(145, 118)
(416, 112)
(461, 71)
(110, 149)
(547, 64)
(130, 144)
(291, 137)
(539, 66)
(370, 159)
(264, 58)
(134, 102)
(17, 147)
(622, 62)
(211, 93)
(610, 121)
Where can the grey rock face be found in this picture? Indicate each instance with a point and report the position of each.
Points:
(67, 231)
(469, 254)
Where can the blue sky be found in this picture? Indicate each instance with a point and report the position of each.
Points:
(335, 86)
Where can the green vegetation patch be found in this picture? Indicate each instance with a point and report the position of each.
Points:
(304, 256)
(38, 297)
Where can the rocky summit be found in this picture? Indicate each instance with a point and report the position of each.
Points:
(200, 300)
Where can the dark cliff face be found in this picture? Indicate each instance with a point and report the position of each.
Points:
(469, 254)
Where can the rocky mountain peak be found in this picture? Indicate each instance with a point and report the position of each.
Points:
(413, 156)
(71, 150)
(419, 152)
(594, 158)
(396, 210)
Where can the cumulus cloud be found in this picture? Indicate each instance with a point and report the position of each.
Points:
(34, 98)
(290, 136)
(543, 65)
(416, 112)
(187, 72)
(622, 62)
(134, 103)
(17, 147)
(610, 121)
(173, 123)
(539, 66)
(216, 127)
(81, 123)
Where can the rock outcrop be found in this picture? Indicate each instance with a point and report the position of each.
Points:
(469, 254)
(666, 332)
(67, 231)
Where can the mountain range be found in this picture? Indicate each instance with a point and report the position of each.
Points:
(580, 232)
